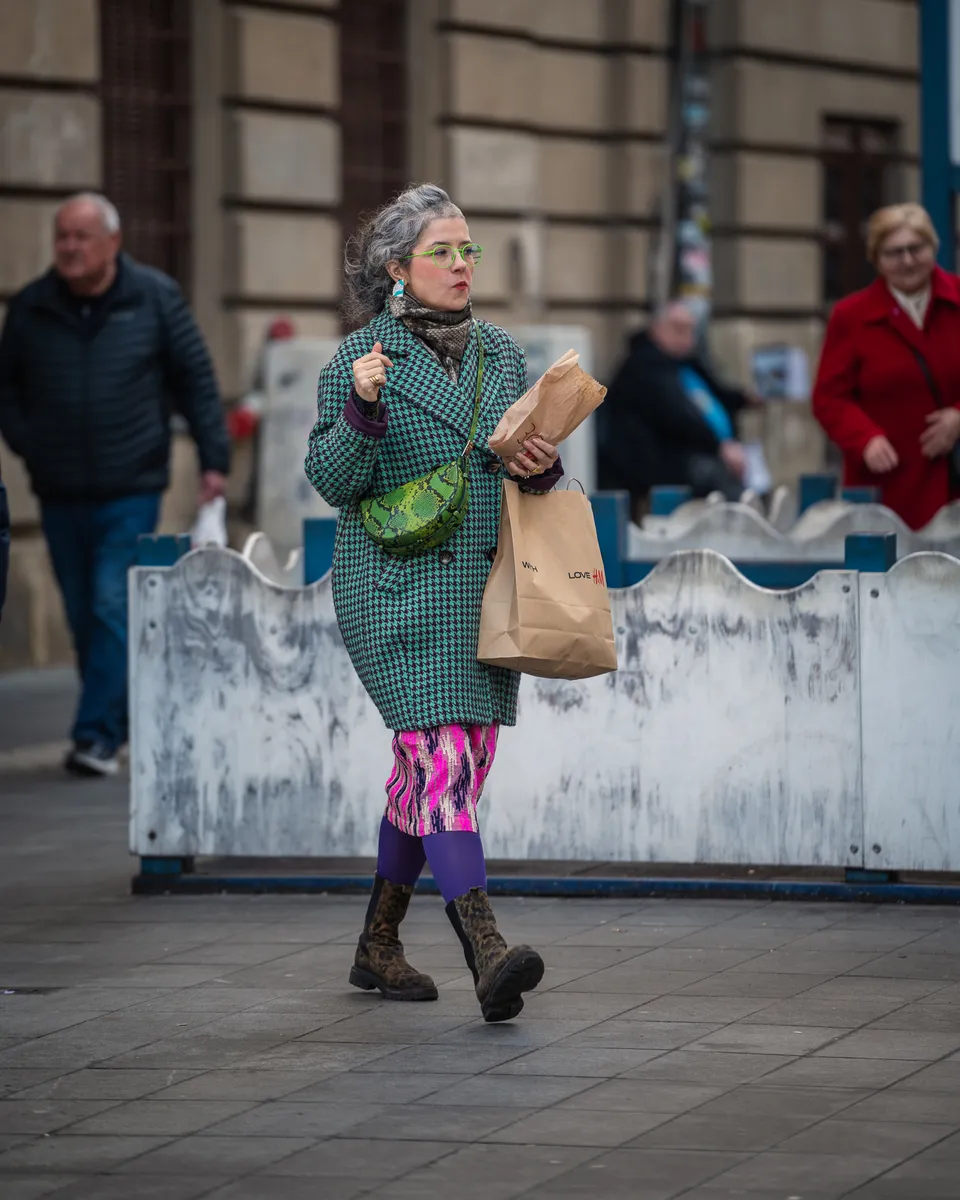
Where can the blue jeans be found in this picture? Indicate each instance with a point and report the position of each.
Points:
(92, 546)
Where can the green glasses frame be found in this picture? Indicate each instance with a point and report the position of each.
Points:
(471, 255)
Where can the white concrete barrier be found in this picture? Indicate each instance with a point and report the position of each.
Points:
(681, 518)
(740, 533)
(250, 732)
(910, 650)
(731, 733)
(259, 551)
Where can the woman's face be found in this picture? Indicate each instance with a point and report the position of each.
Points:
(906, 260)
(432, 279)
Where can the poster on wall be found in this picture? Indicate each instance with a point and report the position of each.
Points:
(693, 270)
(781, 372)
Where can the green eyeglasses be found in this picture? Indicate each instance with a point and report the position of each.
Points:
(445, 256)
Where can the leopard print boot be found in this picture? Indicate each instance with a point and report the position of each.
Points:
(379, 962)
(501, 974)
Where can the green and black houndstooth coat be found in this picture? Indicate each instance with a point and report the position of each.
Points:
(410, 624)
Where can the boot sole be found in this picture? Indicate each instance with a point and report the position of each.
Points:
(504, 1001)
(368, 982)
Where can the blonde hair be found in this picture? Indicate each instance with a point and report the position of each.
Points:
(899, 216)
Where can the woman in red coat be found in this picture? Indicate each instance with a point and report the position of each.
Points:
(888, 385)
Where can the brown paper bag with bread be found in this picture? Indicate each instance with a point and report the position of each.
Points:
(561, 399)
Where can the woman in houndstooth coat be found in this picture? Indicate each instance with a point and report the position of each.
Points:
(395, 403)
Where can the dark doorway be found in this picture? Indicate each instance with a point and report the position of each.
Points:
(146, 57)
(858, 160)
(374, 105)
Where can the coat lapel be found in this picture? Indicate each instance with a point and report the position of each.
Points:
(884, 309)
(491, 403)
(904, 327)
(423, 383)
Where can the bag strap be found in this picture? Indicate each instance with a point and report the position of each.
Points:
(928, 376)
(476, 404)
(953, 458)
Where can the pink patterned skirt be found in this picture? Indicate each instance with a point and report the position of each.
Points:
(438, 777)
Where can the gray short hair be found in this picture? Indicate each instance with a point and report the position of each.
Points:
(108, 211)
(666, 307)
(391, 233)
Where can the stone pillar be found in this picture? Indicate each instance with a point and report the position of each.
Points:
(553, 117)
(281, 186)
(780, 70)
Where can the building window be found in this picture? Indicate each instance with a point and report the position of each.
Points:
(145, 48)
(858, 159)
(373, 83)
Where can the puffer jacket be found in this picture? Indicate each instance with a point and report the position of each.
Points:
(4, 544)
(87, 402)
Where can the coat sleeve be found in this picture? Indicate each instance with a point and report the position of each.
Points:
(536, 485)
(13, 418)
(4, 543)
(835, 390)
(192, 381)
(344, 444)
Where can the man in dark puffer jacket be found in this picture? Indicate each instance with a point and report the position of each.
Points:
(94, 358)
(4, 544)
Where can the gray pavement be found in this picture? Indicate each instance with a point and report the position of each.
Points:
(181, 1047)
(36, 708)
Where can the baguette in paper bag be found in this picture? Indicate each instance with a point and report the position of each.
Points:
(561, 399)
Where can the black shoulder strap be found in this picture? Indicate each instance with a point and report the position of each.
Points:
(928, 376)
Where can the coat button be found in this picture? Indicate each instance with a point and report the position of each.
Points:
(446, 557)
(490, 554)
(493, 466)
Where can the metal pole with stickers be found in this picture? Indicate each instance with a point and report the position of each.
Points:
(940, 119)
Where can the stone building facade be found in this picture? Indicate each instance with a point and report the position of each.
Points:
(242, 139)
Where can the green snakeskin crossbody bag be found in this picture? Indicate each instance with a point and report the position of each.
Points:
(420, 515)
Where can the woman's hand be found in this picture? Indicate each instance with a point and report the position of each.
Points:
(536, 457)
(940, 436)
(370, 374)
(879, 456)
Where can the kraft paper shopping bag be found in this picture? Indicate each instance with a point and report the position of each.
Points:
(546, 608)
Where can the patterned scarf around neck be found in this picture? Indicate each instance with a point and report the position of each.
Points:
(445, 333)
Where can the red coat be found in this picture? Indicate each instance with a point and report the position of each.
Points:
(870, 383)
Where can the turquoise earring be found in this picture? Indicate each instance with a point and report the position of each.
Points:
(398, 288)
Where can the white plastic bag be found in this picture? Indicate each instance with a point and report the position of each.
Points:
(757, 477)
(210, 528)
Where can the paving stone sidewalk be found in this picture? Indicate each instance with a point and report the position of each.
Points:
(179, 1048)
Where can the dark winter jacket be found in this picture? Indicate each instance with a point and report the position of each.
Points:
(87, 400)
(4, 544)
(648, 427)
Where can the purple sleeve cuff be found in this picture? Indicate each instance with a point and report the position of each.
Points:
(356, 411)
(546, 481)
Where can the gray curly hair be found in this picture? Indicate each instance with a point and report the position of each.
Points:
(391, 233)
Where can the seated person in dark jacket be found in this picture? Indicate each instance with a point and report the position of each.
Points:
(93, 356)
(667, 419)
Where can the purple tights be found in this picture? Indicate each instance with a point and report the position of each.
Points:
(456, 859)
